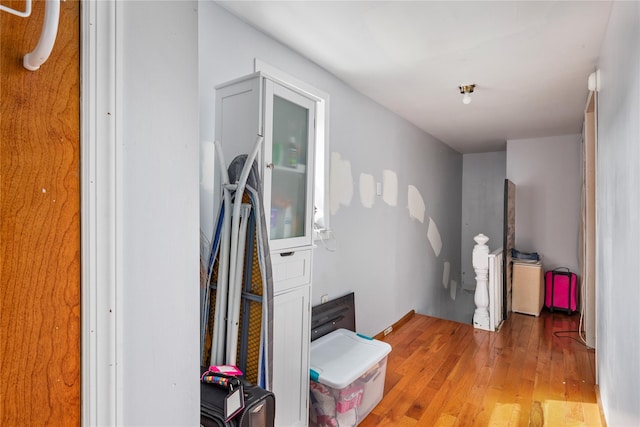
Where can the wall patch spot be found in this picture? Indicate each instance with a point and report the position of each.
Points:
(341, 182)
(445, 274)
(434, 237)
(452, 289)
(390, 187)
(367, 190)
(415, 204)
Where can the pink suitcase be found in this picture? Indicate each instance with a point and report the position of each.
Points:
(561, 290)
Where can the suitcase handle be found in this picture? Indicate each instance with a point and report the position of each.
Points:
(562, 271)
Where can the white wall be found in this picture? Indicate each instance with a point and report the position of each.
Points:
(483, 176)
(546, 172)
(379, 252)
(618, 227)
(159, 174)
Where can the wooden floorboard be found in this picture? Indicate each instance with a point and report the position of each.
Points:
(530, 373)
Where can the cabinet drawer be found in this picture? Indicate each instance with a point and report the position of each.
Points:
(291, 269)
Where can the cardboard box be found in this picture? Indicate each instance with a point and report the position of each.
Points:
(527, 288)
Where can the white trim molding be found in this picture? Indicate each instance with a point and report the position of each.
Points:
(100, 217)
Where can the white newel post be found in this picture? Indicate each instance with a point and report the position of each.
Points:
(481, 267)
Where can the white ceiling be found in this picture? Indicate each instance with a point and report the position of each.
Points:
(529, 60)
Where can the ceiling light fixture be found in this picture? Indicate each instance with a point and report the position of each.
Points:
(466, 91)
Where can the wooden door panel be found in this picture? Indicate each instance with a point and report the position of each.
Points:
(40, 223)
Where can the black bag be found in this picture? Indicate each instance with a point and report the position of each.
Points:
(259, 407)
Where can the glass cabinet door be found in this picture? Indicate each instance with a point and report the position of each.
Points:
(289, 139)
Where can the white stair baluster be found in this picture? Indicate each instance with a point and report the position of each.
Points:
(481, 298)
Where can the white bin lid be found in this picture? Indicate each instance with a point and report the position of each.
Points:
(341, 357)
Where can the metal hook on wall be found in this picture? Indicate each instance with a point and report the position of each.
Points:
(25, 14)
(34, 59)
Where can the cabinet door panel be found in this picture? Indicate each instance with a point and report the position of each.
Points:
(289, 140)
(238, 117)
(291, 356)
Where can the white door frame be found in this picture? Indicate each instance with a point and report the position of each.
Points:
(589, 222)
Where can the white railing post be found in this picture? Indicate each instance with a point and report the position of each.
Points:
(481, 297)
(495, 289)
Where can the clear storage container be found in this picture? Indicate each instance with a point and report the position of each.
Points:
(347, 378)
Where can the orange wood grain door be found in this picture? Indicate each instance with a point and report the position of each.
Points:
(40, 223)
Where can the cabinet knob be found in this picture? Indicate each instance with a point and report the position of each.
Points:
(270, 165)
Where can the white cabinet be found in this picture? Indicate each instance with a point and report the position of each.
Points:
(260, 105)
(291, 336)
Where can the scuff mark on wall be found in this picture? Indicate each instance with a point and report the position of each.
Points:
(367, 190)
(390, 187)
(434, 237)
(341, 181)
(445, 274)
(453, 289)
(415, 203)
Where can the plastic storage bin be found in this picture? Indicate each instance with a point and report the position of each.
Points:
(347, 378)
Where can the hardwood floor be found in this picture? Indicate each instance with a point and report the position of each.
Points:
(443, 373)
